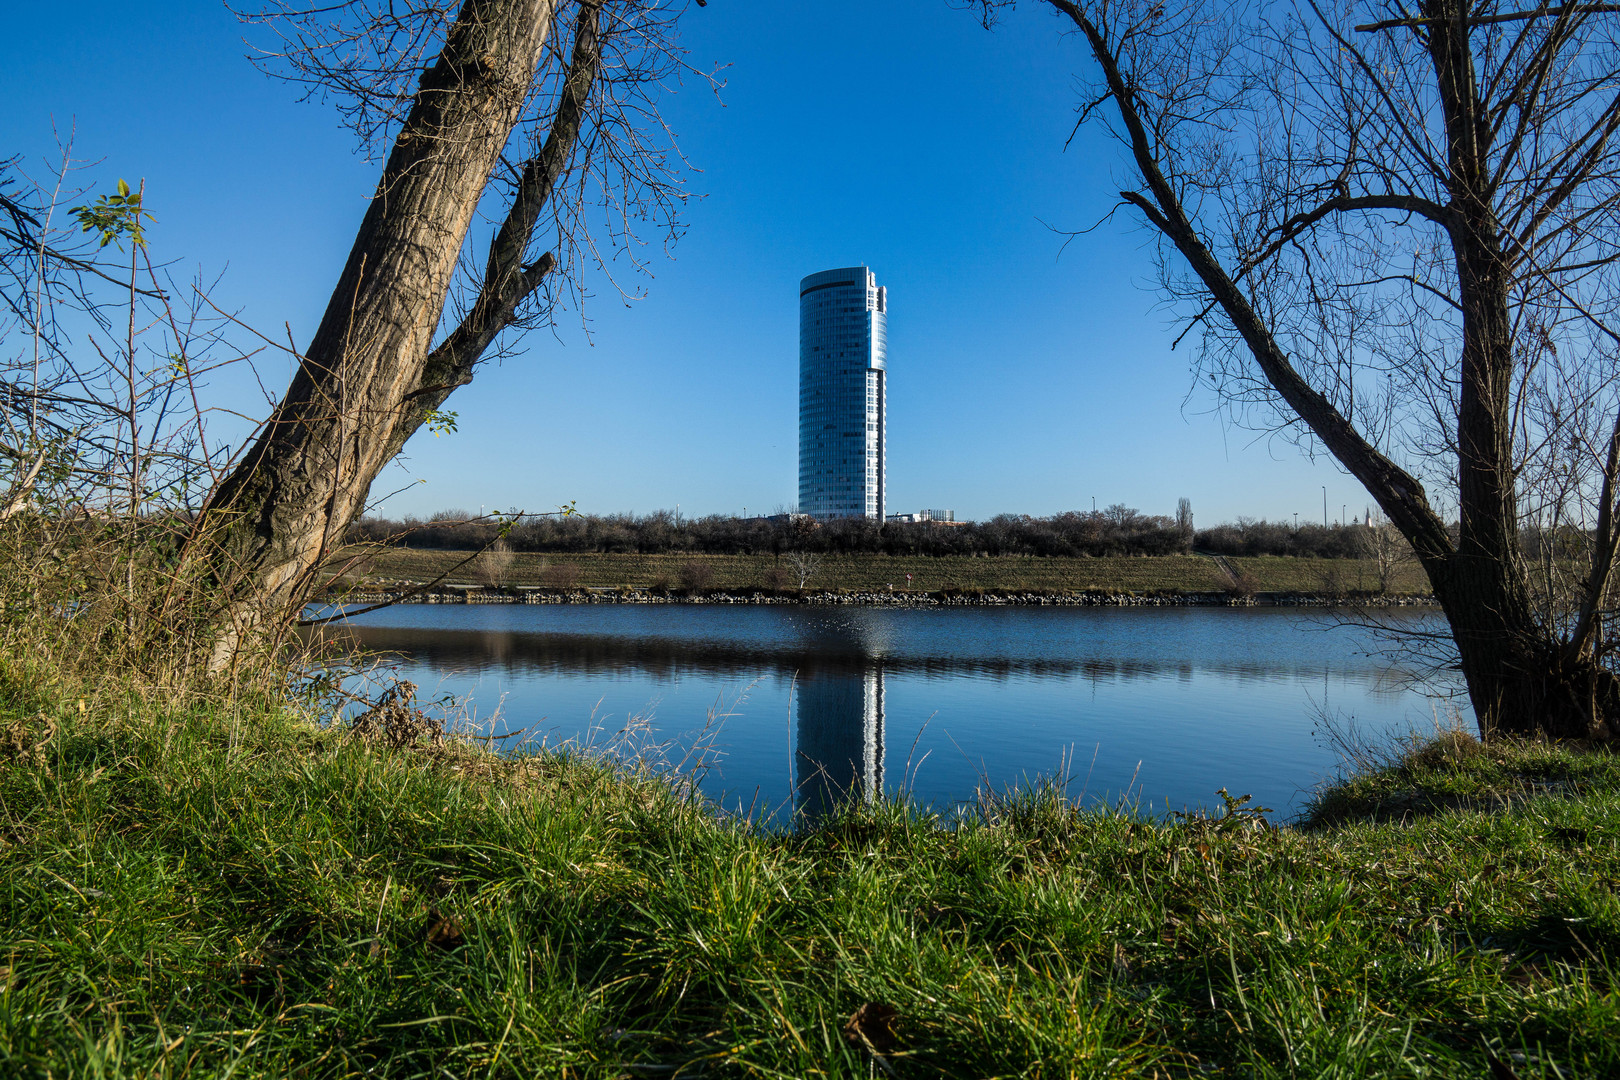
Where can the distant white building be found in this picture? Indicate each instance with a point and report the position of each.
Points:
(939, 517)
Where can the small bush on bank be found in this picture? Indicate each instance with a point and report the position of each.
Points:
(1243, 586)
(696, 575)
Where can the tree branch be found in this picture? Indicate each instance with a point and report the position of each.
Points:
(1398, 492)
(1607, 545)
(1402, 204)
(1487, 20)
(507, 282)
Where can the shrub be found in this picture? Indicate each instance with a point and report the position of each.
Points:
(1244, 585)
(494, 565)
(697, 575)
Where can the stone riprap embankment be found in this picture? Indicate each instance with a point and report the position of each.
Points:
(403, 594)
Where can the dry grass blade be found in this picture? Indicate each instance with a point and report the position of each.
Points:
(25, 740)
(444, 931)
(394, 721)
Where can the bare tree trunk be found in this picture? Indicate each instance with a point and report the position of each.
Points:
(1518, 679)
(370, 378)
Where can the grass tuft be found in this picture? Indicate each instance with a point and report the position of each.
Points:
(1453, 770)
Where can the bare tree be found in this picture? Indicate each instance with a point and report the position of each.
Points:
(494, 564)
(804, 564)
(467, 94)
(1395, 227)
(1383, 544)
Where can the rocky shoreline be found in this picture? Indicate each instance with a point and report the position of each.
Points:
(947, 598)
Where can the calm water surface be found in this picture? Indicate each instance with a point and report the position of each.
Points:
(1157, 705)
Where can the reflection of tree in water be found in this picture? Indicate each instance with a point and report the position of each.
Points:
(838, 739)
(607, 654)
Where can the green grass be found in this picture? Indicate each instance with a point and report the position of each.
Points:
(1165, 574)
(226, 890)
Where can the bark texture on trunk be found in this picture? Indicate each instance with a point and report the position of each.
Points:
(356, 394)
(507, 282)
(1520, 681)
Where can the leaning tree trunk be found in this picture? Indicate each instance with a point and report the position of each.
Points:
(354, 397)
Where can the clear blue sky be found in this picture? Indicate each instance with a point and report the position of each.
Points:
(899, 134)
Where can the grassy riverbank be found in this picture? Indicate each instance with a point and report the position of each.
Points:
(227, 890)
(874, 573)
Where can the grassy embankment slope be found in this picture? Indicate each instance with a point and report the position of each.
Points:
(1166, 574)
(224, 890)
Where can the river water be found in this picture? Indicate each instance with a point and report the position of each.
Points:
(788, 709)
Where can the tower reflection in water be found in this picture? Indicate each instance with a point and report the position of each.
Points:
(838, 740)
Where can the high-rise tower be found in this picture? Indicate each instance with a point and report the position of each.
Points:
(843, 388)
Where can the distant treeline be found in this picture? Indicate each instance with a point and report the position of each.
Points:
(1118, 530)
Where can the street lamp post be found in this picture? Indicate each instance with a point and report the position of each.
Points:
(1324, 506)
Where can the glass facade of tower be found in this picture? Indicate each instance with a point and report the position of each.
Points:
(838, 740)
(843, 393)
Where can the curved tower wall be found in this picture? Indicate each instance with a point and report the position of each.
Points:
(843, 394)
